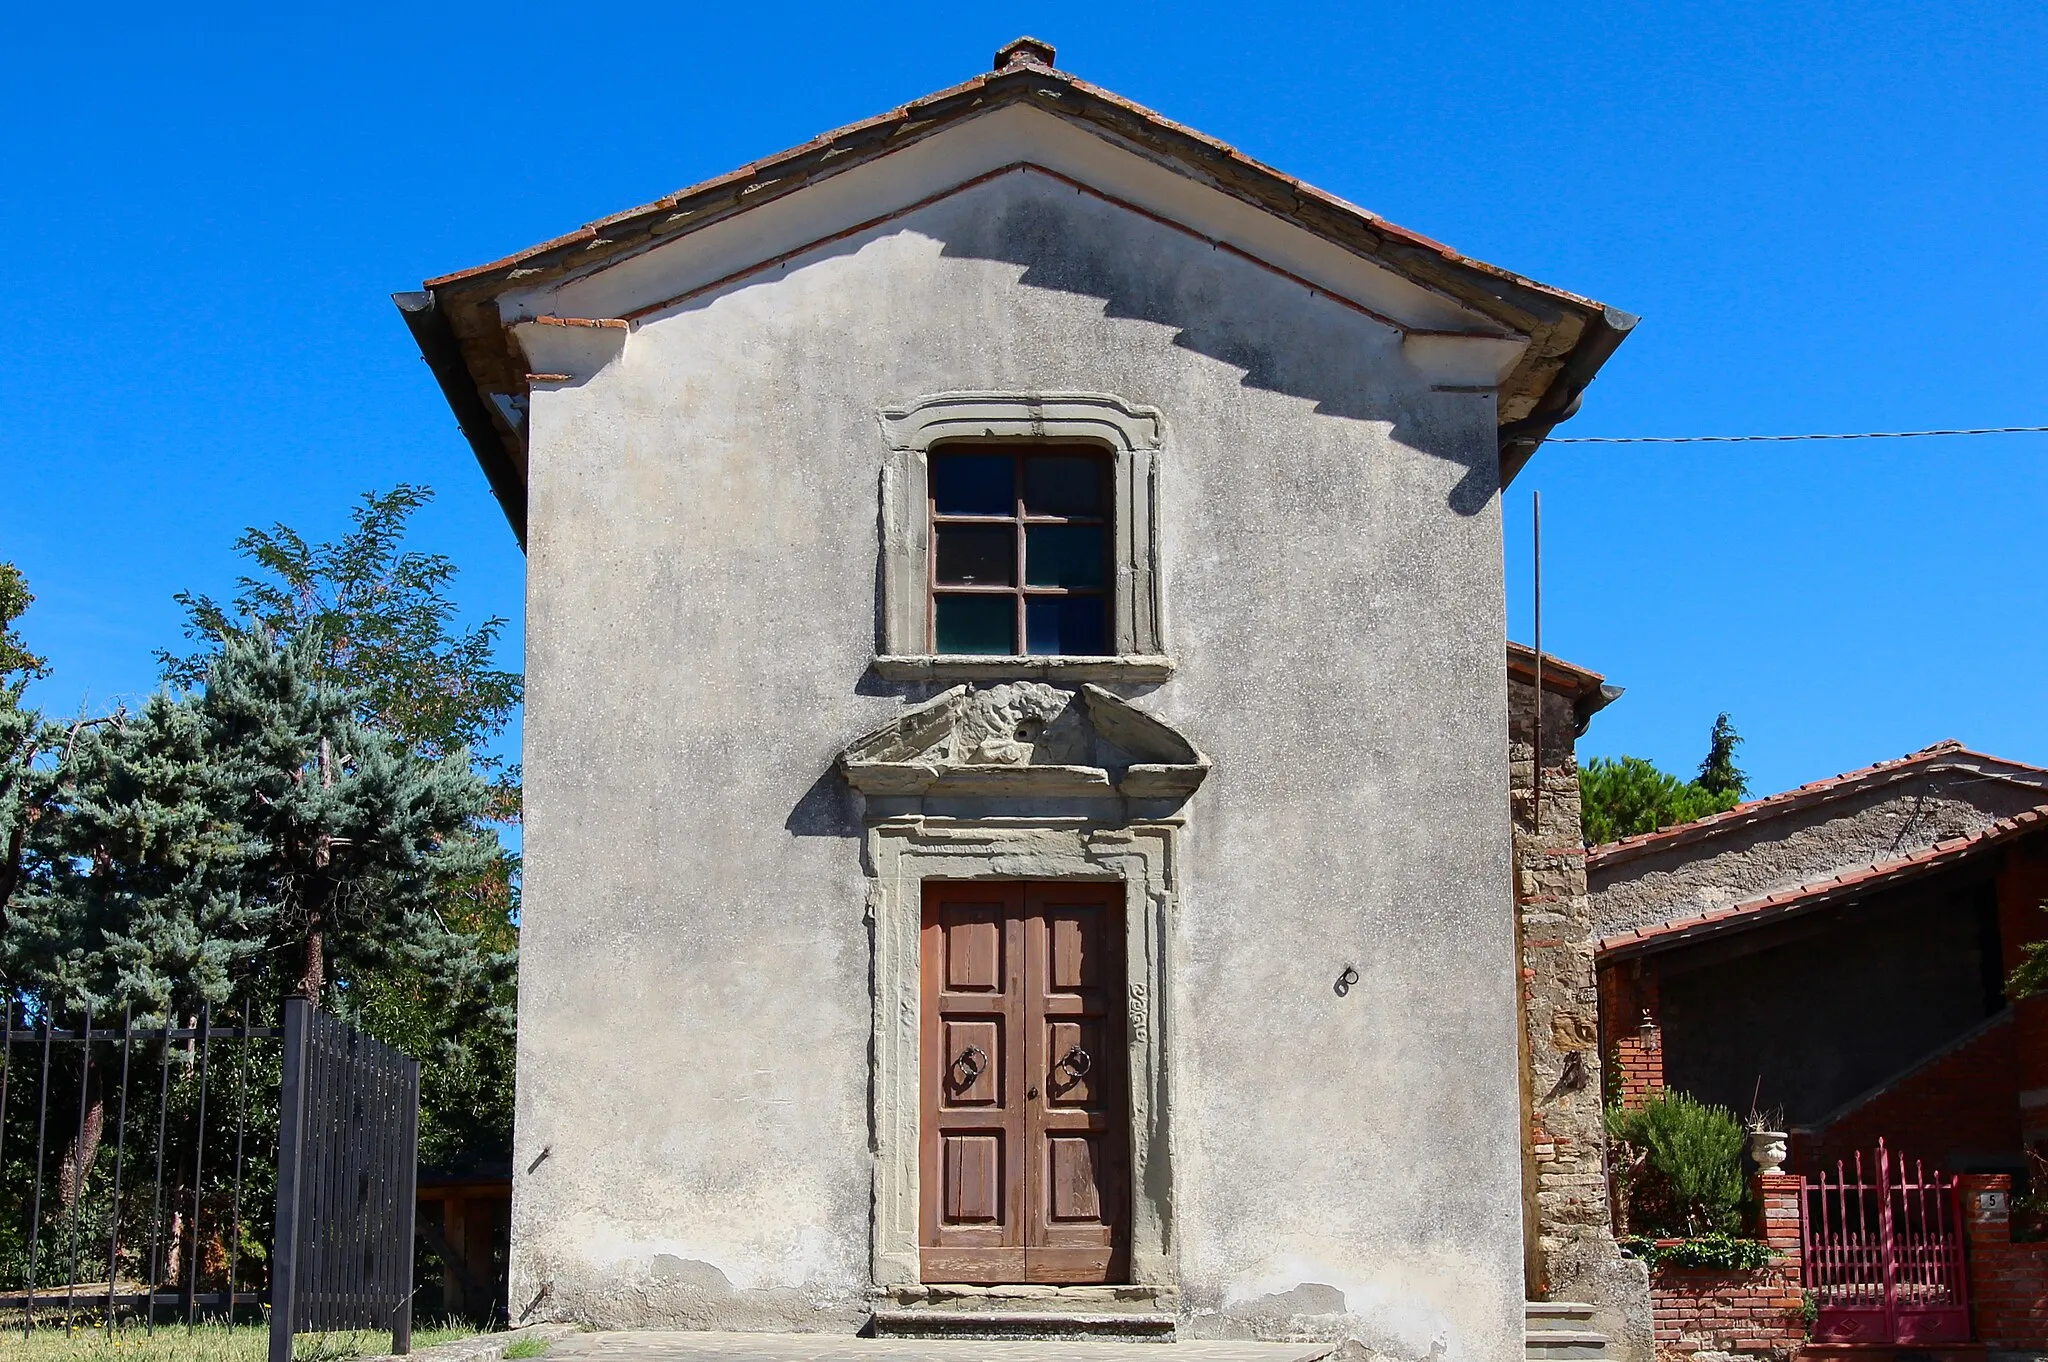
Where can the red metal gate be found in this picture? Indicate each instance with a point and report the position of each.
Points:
(1884, 1253)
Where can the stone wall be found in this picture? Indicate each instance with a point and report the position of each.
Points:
(1571, 1254)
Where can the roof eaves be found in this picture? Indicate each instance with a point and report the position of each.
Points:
(1847, 884)
(1570, 336)
(1798, 797)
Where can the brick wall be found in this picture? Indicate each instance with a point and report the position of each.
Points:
(1964, 1102)
(1754, 1314)
(1628, 991)
(2008, 1281)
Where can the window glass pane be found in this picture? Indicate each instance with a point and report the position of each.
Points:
(978, 555)
(1067, 626)
(1064, 555)
(1065, 484)
(977, 624)
(974, 484)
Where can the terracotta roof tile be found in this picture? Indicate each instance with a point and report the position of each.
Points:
(1798, 796)
(1817, 893)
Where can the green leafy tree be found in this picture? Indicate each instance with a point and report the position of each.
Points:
(1679, 1166)
(17, 663)
(1626, 796)
(387, 626)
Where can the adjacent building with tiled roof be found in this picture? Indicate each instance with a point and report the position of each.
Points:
(1838, 952)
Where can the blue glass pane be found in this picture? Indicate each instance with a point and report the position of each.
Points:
(977, 624)
(1067, 626)
(1064, 555)
(978, 555)
(974, 484)
(1064, 484)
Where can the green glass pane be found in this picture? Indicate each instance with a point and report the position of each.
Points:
(1064, 555)
(974, 484)
(1067, 626)
(1064, 484)
(977, 555)
(977, 624)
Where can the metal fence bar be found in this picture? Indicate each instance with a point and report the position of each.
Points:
(35, 1215)
(120, 1147)
(76, 1191)
(198, 1172)
(156, 1198)
(291, 1118)
(241, 1127)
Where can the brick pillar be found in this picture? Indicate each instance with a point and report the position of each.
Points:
(2001, 1297)
(1779, 1206)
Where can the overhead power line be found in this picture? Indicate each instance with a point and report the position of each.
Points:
(1753, 439)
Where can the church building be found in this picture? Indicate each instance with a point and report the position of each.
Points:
(1017, 812)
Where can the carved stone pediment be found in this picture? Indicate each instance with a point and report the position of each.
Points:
(1026, 738)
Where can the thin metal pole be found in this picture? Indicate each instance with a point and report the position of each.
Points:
(120, 1143)
(408, 1197)
(291, 1121)
(156, 1199)
(78, 1168)
(6, 1065)
(198, 1170)
(241, 1124)
(1536, 738)
(35, 1215)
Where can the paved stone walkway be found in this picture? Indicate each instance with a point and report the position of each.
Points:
(706, 1347)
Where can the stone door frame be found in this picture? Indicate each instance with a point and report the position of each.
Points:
(900, 855)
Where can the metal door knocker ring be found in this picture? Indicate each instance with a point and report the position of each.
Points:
(973, 1059)
(1076, 1062)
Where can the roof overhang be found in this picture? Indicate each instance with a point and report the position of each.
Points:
(463, 333)
(1846, 887)
(1588, 691)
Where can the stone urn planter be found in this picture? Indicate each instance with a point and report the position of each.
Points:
(1767, 1149)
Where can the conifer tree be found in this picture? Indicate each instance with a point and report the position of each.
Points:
(1719, 775)
(26, 783)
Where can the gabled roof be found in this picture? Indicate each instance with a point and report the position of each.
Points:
(455, 319)
(1944, 755)
(1849, 884)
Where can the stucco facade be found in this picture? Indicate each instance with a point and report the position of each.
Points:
(713, 947)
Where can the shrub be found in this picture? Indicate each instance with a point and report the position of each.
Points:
(1678, 1167)
(1721, 1251)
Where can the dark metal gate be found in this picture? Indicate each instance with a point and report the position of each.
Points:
(347, 1159)
(1884, 1253)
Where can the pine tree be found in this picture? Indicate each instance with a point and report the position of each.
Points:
(1719, 775)
(26, 783)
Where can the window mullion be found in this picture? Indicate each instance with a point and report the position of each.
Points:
(1017, 537)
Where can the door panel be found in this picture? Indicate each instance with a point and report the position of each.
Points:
(1025, 1149)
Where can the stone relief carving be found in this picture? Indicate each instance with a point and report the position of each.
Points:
(1026, 737)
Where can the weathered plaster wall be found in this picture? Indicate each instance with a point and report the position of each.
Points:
(695, 1006)
(1570, 1253)
(1798, 847)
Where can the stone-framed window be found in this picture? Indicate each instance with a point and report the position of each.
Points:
(948, 428)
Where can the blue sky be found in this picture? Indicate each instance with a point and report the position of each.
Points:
(1830, 217)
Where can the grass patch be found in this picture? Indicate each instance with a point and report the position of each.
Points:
(208, 1343)
(527, 1347)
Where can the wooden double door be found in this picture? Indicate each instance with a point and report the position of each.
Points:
(1024, 1151)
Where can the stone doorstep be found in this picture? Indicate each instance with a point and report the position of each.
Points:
(1119, 1299)
(1023, 1325)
